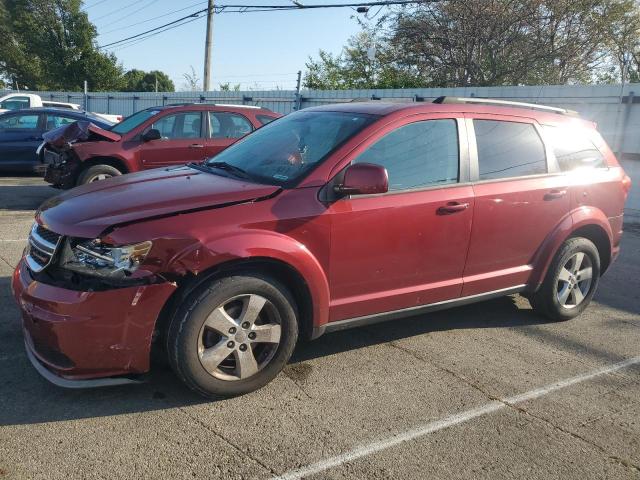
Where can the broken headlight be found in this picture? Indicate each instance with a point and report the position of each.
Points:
(99, 258)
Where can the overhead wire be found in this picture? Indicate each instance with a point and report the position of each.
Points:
(95, 4)
(152, 18)
(261, 8)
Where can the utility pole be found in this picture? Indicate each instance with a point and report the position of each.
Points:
(86, 93)
(206, 83)
(298, 96)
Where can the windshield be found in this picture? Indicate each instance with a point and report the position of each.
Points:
(282, 152)
(131, 122)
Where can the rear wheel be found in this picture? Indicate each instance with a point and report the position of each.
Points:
(233, 336)
(570, 282)
(97, 173)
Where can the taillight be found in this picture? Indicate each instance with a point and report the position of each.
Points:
(626, 185)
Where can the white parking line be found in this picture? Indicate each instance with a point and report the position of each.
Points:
(447, 422)
(22, 240)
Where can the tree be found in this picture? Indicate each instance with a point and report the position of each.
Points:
(141, 81)
(227, 87)
(192, 81)
(354, 69)
(50, 44)
(487, 42)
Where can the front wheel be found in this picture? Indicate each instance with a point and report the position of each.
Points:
(570, 282)
(97, 173)
(233, 336)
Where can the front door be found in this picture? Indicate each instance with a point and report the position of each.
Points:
(407, 247)
(20, 136)
(182, 141)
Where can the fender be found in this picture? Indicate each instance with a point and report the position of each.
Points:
(265, 245)
(574, 220)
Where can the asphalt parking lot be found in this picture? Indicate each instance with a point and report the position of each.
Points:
(485, 391)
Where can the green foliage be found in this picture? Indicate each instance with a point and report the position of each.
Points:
(141, 81)
(488, 42)
(50, 45)
(227, 87)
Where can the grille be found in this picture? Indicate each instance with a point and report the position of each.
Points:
(43, 244)
(47, 235)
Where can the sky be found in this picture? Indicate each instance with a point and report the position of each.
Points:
(261, 50)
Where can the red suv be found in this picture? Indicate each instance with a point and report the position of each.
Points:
(328, 218)
(151, 138)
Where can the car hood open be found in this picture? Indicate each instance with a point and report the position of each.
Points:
(89, 210)
(80, 131)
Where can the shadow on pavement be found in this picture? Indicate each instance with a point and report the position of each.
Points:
(24, 193)
(27, 398)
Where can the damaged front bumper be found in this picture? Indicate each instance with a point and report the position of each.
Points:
(58, 170)
(73, 337)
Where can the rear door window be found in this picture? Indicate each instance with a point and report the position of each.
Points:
(417, 155)
(508, 149)
(55, 121)
(573, 149)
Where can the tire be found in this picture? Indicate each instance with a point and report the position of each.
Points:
(563, 294)
(96, 173)
(206, 337)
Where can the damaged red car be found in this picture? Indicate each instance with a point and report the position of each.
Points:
(329, 218)
(151, 138)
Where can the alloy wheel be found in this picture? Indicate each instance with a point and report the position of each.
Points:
(100, 176)
(574, 280)
(239, 337)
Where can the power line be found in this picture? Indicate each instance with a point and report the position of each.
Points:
(95, 4)
(259, 8)
(152, 18)
(122, 45)
(143, 7)
(194, 16)
(118, 10)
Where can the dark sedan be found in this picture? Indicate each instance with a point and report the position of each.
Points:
(21, 133)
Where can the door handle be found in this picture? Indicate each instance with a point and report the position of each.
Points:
(452, 207)
(554, 194)
(196, 145)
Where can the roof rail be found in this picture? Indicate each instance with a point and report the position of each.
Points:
(235, 105)
(507, 103)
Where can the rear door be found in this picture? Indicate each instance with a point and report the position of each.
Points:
(20, 136)
(182, 141)
(403, 249)
(520, 197)
(225, 128)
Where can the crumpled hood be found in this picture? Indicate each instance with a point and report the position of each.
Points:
(79, 131)
(89, 210)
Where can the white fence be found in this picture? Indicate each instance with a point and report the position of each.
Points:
(615, 109)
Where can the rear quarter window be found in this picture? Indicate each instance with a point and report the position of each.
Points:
(573, 148)
(264, 119)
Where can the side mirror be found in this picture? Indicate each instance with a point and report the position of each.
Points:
(152, 134)
(364, 179)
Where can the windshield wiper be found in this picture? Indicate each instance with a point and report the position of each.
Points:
(237, 171)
